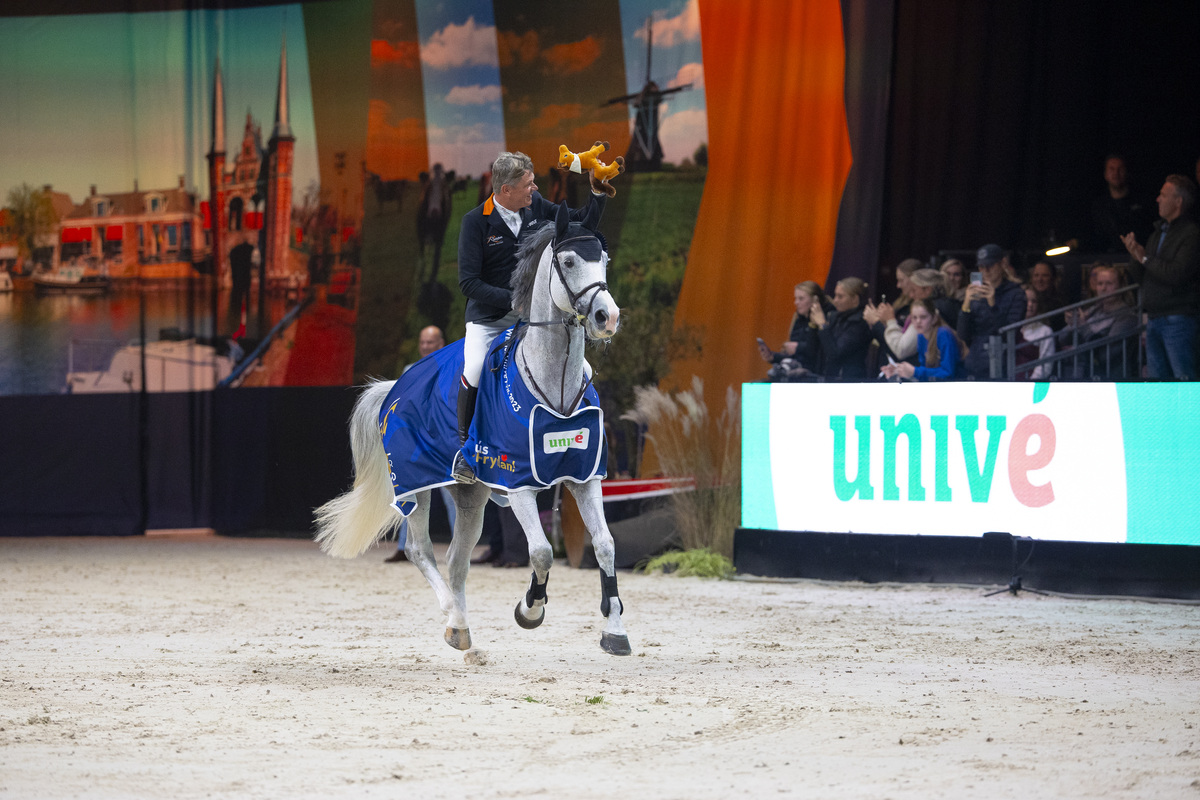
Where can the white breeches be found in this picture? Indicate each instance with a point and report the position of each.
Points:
(478, 341)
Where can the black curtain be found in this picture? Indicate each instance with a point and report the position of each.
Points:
(243, 461)
(1002, 113)
(867, 28)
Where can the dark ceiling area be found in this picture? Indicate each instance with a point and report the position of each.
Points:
(1003, 112)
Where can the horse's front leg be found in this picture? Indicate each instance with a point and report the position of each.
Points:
(531, 609)
(591, 507)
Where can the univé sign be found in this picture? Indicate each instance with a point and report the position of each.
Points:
(1081, 462)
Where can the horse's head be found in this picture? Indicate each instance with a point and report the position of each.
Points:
(578, 259)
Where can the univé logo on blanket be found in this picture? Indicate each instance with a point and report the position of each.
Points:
(561, 441)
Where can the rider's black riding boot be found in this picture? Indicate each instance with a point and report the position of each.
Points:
(461, 469)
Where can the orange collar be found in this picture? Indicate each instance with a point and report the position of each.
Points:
(489, 205)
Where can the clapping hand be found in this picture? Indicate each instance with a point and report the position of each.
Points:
(870, 313)
(1131, 244)
(817, 314)
(886, 312)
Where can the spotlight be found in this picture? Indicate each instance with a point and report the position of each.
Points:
(1058, 251)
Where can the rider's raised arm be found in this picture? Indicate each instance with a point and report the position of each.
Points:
(589, 215)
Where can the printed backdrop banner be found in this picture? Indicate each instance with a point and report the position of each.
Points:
(1087, 462)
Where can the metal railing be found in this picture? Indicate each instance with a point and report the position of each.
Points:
(1002, 346)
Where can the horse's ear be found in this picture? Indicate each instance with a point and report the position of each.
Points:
(561, 222)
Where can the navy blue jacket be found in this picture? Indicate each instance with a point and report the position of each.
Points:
(487, 251)
(975, 327)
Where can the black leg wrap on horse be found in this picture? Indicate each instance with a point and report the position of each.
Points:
(536, 591)
(608, 588)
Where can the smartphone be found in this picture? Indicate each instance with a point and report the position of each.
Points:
(977, 279)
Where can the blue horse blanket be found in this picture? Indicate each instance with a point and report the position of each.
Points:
(515, 441)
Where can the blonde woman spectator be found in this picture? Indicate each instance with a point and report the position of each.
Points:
(800, 355)
(955, 276)
(844, 336)
(900, 338)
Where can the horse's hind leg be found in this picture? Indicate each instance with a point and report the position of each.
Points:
(531, 609)
(469, 502)
(419, 550)
(588, 497)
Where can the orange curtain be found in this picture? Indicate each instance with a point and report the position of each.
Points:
(779, 154)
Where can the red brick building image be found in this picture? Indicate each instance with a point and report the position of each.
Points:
(154, 234)
(169, 233)
(254, 193)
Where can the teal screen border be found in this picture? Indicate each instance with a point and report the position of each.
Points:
(1160, 425)
(758, 493)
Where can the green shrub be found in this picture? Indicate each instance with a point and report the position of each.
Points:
(701, 562)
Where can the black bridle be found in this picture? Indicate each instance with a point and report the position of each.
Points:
(575, 319)
(573, 297)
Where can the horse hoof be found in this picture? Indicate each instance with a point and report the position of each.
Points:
(615, 645)
(475, 658)
(524, 622)
(458, 638)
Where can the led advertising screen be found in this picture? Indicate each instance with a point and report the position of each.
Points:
(1090, 462)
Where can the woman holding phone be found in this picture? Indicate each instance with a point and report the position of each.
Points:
(800, 356)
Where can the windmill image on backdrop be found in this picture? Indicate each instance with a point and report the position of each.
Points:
(645, 150)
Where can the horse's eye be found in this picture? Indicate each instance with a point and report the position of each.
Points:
(568, 262)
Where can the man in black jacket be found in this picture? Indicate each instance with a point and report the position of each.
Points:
(1168, 268)
(487, 256)
(986, 308)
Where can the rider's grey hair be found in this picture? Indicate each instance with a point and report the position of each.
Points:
(508, 169)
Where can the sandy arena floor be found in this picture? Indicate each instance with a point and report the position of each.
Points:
(211, 667)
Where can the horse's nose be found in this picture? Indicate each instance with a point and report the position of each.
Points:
(601, 318)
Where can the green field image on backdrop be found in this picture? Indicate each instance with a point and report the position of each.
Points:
(649, 259)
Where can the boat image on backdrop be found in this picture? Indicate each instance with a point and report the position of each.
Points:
(71, 279)
(175, 363)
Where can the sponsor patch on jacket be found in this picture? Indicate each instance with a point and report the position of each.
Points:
(494, 239)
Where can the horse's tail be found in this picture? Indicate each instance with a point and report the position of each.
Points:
(350, 523)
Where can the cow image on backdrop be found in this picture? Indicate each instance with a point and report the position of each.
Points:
(538, 422)
(433, 216)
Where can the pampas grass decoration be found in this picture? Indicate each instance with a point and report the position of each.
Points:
(691, 444)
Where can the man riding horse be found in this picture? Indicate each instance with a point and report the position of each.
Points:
(487, 255)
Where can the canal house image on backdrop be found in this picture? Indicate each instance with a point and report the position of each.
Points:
(229, 262)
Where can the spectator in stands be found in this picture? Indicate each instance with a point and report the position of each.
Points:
(955, 275)
(899, 340)
(932, 282)
(1111, 317)
(904, 273)
(986, 308)
(428, 340)
(1043, 279)
(1117, 211)
(845, 337)
(939, 349)
(800, 357)
(1035, 340)
(1168, 268)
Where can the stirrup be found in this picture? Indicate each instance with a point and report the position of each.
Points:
(461, 471)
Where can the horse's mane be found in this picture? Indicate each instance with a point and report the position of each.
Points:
(529, 253)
